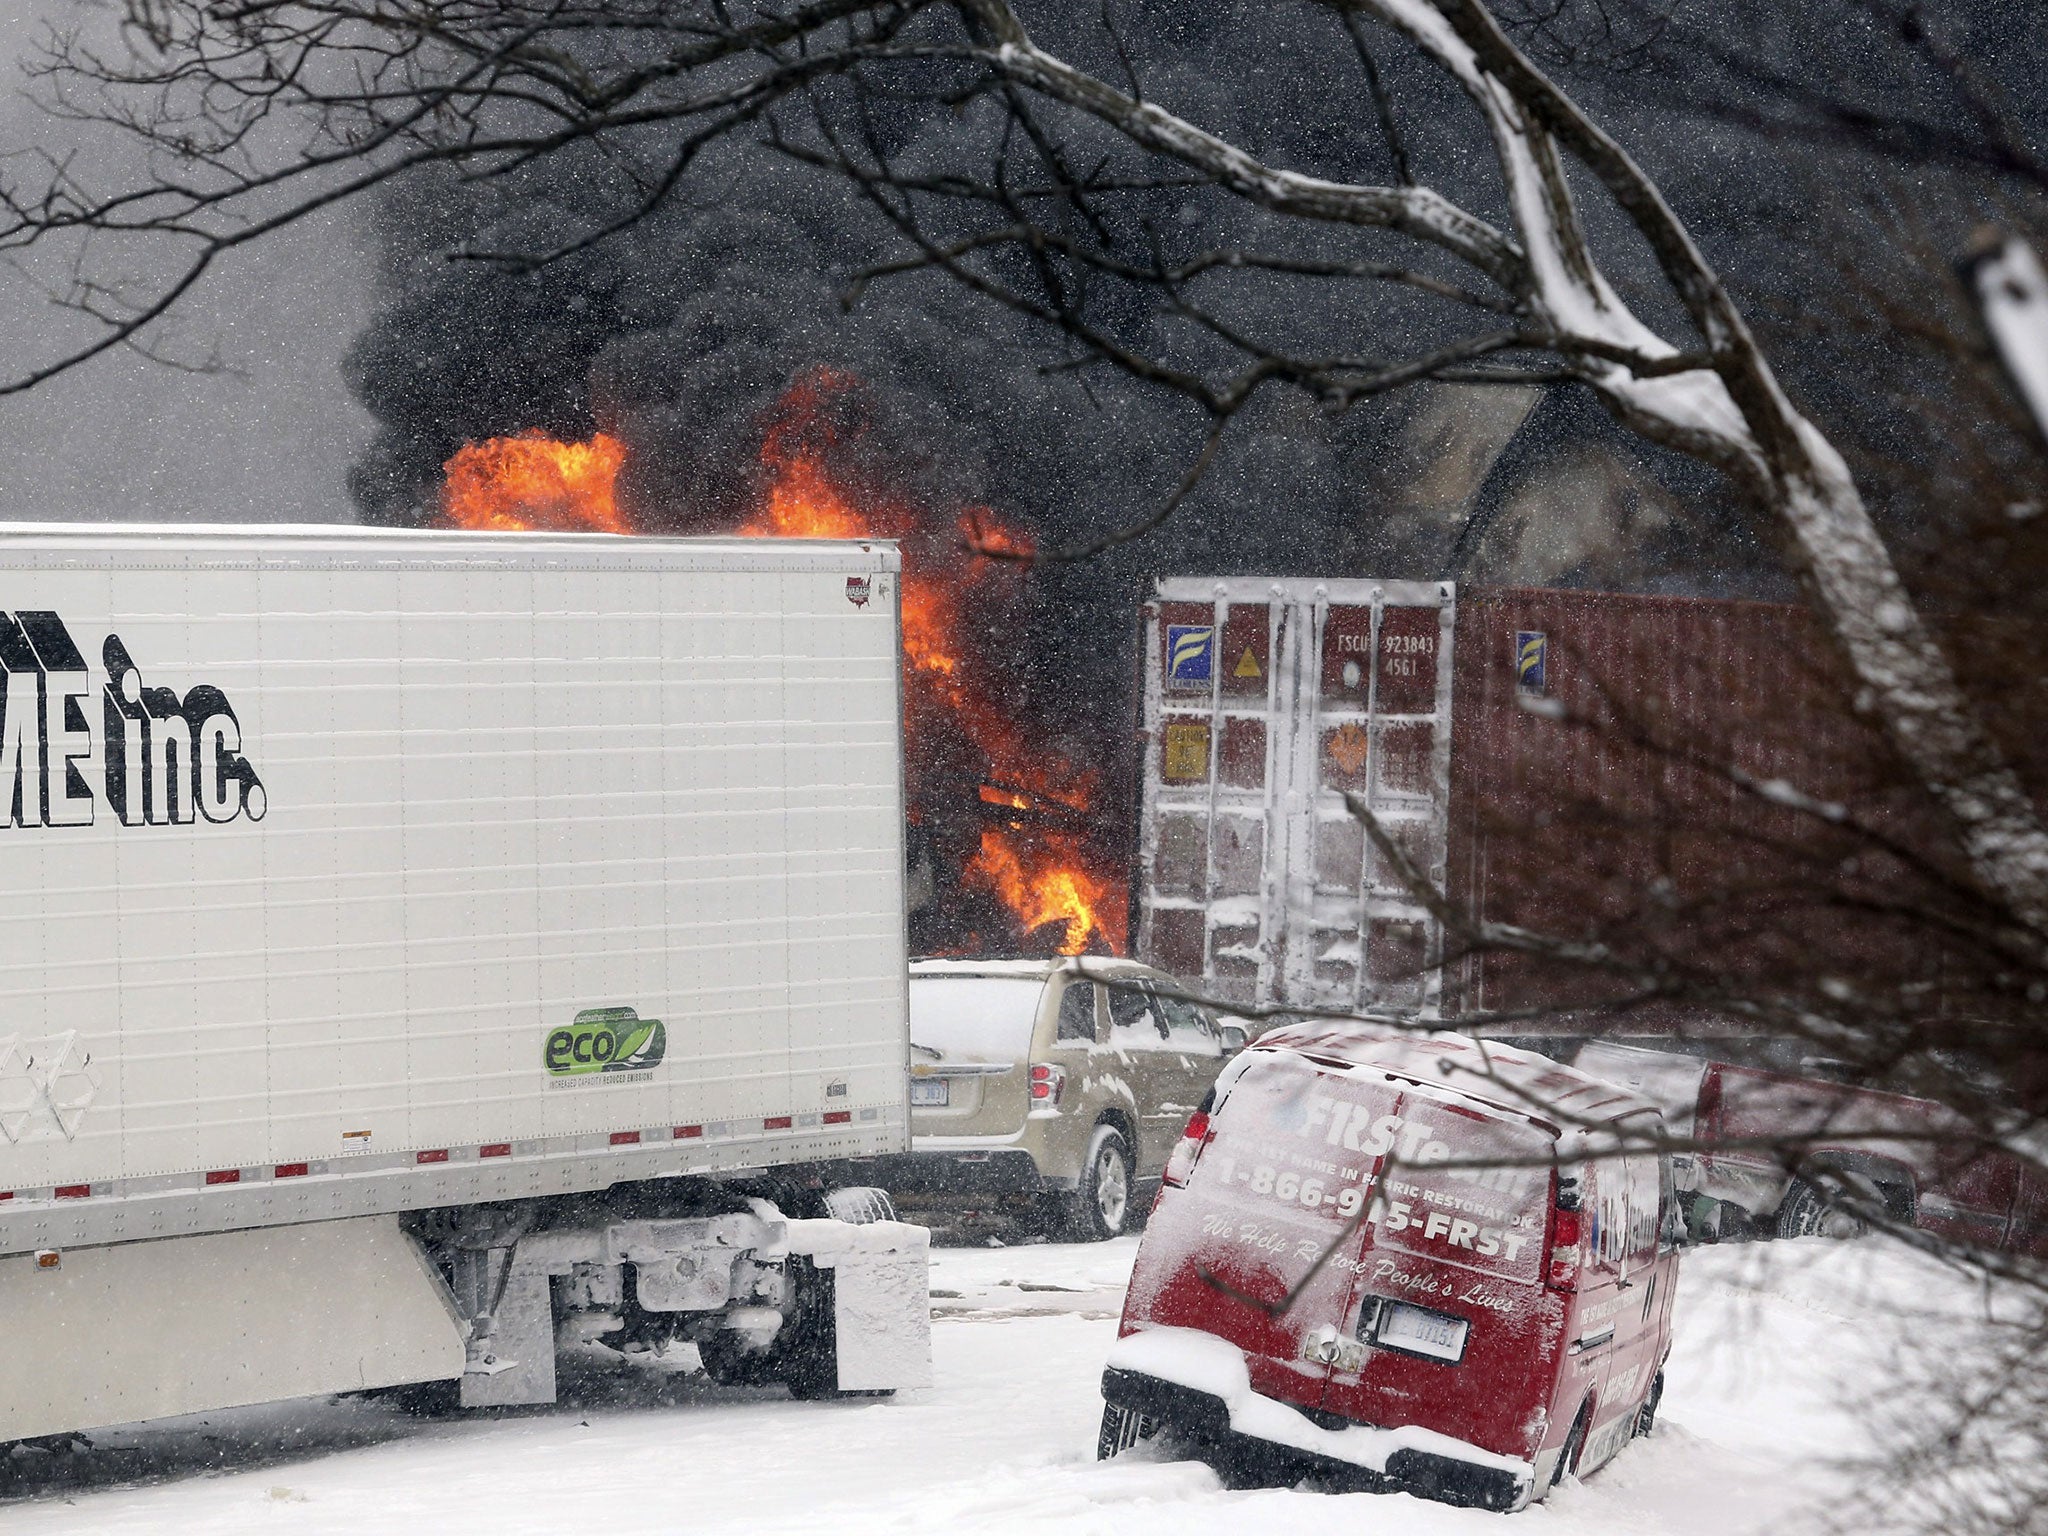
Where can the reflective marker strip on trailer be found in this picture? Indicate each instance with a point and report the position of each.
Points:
(232, 1199)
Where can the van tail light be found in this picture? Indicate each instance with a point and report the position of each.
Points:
(1562, 1274)
(1048, 1082)
(1181, 1166)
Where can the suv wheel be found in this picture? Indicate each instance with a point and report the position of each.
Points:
(1102, 1205)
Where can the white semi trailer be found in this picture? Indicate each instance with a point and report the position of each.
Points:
(417, 946)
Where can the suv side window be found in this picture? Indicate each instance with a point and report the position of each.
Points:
(1187, 1027)
(1077, 1011)
(1139, 1025)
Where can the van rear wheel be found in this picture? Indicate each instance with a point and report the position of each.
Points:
(1646, 1416)
(1574, 1443)
(1101, 1207)
(1122, 1428)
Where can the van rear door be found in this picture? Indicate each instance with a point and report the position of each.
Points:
(1248, 1250)
(1447, 1325)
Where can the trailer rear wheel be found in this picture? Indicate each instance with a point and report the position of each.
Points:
(729, 1362)
(859, 1205)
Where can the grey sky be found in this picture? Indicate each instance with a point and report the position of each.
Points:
(129, 439)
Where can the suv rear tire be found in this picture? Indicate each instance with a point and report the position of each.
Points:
(1101, 1207)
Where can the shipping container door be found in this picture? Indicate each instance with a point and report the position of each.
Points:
(1216, 693)
(1266, 702)
(1373, 721)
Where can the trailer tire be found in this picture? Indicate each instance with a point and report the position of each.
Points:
(1102, 1206)
(859, 1205)
(1806, 1212)
(729, 1363)
(805, 1355)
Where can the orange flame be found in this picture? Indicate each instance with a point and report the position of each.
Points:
(1046, 884)
(534, 481)
(1042, 875)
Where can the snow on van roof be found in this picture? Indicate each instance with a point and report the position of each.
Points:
(1555, 1096)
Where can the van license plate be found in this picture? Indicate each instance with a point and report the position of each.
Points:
(1421, 1331)
(928, 1091)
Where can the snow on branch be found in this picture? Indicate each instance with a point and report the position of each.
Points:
(2011, 290)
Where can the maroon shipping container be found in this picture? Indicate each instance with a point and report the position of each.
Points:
(1576, 763)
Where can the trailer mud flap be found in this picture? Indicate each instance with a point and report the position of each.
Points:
(147, 1330)
(511, 1363)
(881, 1300)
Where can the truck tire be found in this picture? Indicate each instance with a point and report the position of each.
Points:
(859, 1205)
(1101, 1207)
(1806, 1212)
(730, 1363)
(805, 1355)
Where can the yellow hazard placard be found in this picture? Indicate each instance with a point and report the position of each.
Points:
(1186, 753)
(1247, 665)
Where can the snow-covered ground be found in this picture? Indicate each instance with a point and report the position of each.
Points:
(1776, 1345)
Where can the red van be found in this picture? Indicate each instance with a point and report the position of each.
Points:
(1425, 1262)
(1918, 1161)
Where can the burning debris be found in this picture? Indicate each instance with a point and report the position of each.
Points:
(1003, 822)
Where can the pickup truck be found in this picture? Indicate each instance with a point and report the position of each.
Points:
(1763, 1147)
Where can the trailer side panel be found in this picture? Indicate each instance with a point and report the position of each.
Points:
(351, 872)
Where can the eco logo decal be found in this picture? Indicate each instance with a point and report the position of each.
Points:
(605, 1041)
(164, 759)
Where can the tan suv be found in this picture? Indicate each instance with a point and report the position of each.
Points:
(1049, 1088)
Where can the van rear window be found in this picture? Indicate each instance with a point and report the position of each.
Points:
(975, 1018)
(1428, 1177)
